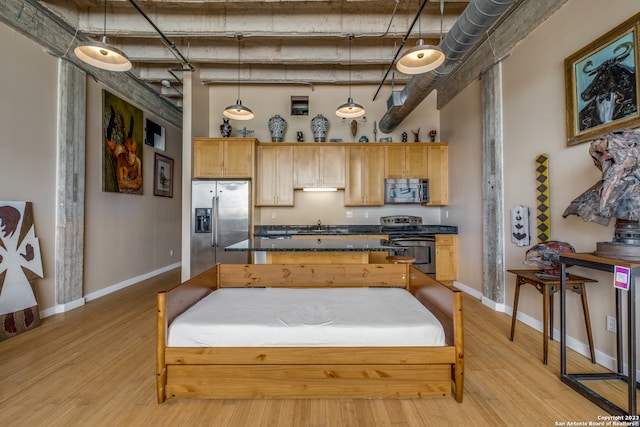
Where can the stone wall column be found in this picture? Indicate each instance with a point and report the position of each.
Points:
(492, 188)
(70, 182)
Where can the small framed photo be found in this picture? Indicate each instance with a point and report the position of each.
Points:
(601, 83)
(163, 176)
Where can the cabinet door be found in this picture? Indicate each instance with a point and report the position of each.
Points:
(238, 158)
(284, 173)
(374, 176)
(207, 158)
(274, 182)
(332, 168)
(438, 175)
(306, 166)
(365, 176)
(416, 158)
(355, 166)
(446, 257)
(394, 161)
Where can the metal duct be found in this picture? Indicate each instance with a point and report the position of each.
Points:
(472, 24)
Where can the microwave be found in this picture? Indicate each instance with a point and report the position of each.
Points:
(409, 190)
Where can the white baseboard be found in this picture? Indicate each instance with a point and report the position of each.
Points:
(61, 308)
(576, 345)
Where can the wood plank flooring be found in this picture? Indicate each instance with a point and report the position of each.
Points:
(94, 366)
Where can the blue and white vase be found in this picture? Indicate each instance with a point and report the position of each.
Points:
(277, 126)
(319, 126)
(225, 128)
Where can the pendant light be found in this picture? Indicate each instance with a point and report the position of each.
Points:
(101, 54)
(350, 109)
(238, 111)
(422, 57)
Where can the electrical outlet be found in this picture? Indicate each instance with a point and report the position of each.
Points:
(349, 214)
(611, 324)
(170, 252)
(366, 214)
(274, 214)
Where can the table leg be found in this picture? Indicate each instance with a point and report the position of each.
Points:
(551, 309)
(587, 319)
(515, 308)
(545, 322)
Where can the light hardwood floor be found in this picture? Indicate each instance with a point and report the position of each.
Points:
(94, 366)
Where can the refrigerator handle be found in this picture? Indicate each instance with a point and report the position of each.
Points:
(214, 235)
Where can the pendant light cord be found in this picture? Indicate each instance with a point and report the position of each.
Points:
(238, 37)
(104, 27)
(350, 39)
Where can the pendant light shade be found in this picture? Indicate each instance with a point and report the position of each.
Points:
(420, 59)
(101, 54)
(350, 110)
(238, 111)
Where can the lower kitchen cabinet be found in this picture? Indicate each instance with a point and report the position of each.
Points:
(446, 257)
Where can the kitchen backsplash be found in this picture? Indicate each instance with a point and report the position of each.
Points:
(329, 208)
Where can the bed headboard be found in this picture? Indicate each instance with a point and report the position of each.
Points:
(313, 276)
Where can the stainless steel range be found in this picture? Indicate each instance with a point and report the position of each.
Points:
(407, 237)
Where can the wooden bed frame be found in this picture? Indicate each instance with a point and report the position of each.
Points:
(311, 372)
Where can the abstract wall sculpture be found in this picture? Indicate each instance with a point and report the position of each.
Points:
(20, 265)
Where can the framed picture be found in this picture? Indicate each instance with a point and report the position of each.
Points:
(601, 82)
(122, 136)
(154, 135)
(163, 176)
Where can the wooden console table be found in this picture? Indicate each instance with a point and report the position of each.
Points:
(548, 286)
(589, 260)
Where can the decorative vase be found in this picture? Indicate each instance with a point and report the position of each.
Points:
(225, 128)
(319, 126)
(277, 126)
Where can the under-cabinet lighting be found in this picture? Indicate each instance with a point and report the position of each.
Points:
(320, 189)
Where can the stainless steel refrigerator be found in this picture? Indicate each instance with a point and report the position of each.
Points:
(219, 218)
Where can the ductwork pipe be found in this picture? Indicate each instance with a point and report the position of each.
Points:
(470, 27)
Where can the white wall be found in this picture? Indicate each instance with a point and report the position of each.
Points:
(29, 87)
(126, 237)
(534, 117)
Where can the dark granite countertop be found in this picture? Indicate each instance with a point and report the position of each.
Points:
(309, 245)
(275, 231)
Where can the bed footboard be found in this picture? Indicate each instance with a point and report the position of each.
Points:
(312, 372)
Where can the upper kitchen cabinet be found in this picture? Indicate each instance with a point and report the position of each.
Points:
(274, 175)
(223, 157)
(319, 166)
(365, 175)
(406, 160)
(438, 174)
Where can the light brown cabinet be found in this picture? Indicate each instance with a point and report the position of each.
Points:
(421, 160)
(438, 174)
(319, 166)
(446, 257)
(365, 176)
(223, 157)
(274, 175)
(406, 161)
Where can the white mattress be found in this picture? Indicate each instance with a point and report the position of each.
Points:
(275, 317)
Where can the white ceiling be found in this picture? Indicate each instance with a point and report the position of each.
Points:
(283, 42)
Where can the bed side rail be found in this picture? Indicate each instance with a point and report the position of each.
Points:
(172, 303)
(313, 275)
(443, 301)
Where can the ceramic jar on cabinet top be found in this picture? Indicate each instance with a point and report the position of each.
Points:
(277, 126)
(319, 126)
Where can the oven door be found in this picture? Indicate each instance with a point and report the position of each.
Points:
(423, 249)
